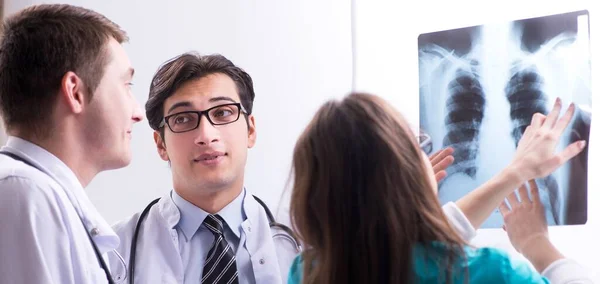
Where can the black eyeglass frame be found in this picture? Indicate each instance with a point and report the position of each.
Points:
(200, 113)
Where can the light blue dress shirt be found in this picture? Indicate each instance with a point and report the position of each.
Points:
(195, 240)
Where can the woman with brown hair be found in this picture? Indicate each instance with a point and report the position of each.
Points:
(364, 201)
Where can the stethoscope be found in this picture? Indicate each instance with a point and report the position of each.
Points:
(287, 234)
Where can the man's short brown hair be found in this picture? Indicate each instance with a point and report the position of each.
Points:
(39, 45)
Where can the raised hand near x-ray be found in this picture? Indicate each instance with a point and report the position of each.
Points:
(525, 223)
(440, 161)
(524, 220)
(536, 155)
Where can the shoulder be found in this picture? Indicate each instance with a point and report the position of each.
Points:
(29, 189)
(490, 263)
(31, 205)
(10, 167)
(20, 179)
(125, 228)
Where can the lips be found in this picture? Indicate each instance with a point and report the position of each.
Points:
(210, 156)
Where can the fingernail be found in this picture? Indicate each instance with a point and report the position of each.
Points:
(558, 101)
(581, 144)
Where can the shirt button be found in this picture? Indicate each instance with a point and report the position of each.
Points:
(249, 229)
(95, 232)
(261, 261)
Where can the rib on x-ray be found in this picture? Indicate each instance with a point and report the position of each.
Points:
(464, 114)
(479, 89)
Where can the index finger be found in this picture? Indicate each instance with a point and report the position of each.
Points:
(537, 120)
(553, 115)
(563, 122)
(440, 155)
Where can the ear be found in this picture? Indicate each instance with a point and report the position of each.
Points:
(251, 131)
(160, 146)
(72, 92)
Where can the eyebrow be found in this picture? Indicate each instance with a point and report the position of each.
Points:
(129, 73)
(218, 99)
(178, 105)
(189, 104)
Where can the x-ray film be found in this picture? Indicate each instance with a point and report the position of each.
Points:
(481, 85)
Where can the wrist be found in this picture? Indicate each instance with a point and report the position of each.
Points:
(532, 243)
(512, 177)
(540, 252)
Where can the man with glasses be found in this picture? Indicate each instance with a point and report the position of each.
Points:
(209, 228)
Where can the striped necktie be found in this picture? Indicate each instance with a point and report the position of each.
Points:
(219, 266)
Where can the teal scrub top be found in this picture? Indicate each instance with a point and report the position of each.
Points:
(485, 265)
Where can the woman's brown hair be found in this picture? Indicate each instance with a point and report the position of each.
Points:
(362, 199)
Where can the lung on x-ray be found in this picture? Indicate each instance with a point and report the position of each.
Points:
(481, 85)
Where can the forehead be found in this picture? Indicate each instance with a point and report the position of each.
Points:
(199, 91)
(118, 61)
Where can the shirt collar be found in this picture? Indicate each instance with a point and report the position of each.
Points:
(192, 216)
(66, 178)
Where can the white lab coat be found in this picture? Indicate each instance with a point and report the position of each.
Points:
(42, 239)
(157, 254)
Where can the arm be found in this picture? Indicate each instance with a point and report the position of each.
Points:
(34, 245)
(527, 230)
(481, 202)
(535, 157)
(440, 161)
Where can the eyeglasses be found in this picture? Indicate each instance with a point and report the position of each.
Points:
(425, 142)
(189, 120)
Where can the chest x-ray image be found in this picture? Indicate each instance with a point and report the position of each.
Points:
(481, 85)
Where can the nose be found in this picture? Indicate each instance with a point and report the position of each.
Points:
(138, 114)
(207, 133)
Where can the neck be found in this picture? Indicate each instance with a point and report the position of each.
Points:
(71, 152)
(210, 200)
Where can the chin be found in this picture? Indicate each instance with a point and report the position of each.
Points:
(215, 182)
(120, 161)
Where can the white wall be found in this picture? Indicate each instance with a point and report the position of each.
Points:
(297, 52)
(387, 64)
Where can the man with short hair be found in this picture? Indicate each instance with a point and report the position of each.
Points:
(68, 109)
(209, 228)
